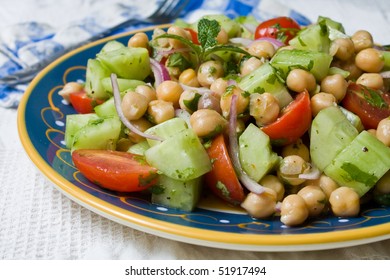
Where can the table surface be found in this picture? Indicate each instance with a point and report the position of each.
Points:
(38, 222)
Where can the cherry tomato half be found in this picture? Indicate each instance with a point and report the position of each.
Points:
(281, 28)
(293, 121)
(222, 179)
(370, 105)
(82, 103)
(194, 35)
(117, 171)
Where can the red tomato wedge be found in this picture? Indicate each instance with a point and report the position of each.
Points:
(194, 35)
(82, 103)
(281, 28)
(293, 121)
(113, 170)
(370, 105)
(222, 179)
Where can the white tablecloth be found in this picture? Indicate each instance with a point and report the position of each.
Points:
(38, 222)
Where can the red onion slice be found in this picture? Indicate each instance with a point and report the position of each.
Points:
(248, 182)
(314, 173)
(276, 43)
(118, 107)
(160, 72)
(241, 41)
(200, 90)
(385, 74)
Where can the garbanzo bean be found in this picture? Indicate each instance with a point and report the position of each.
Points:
(187, 98)
(134, 105)
(141, 124)
(169, 91)
(321, 101)
(147, 91)
(297, 148)
(209, 71)
(327, 184)
(344, 202)
(383, 131)
(178, 31)
(210, 100)
(188, 77)
(261, 49)
(160, 111)
(315, 199)
(272, 182)
(264, 108)
(343, 48)
(362, 39)
(371, 80)
(370, 60)
(293, 210)
(219, 86)
(69, 88)
(383, 184)
(290, 168)
(139, 40)
(298, 80)
(222, 37)
(226, 99)
(260, 205)
(249, 65)
(207, 123)
(336, 85)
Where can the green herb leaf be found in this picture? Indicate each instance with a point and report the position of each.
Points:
(355, 174)
(207, 32)
(178, 60)
(192, 104)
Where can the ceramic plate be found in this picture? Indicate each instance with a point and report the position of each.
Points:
(41, 121)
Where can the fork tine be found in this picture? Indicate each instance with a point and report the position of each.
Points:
(169, 11)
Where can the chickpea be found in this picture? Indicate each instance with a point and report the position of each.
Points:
(264, 108)
(249, 65)
(207, 123)
(343, 48)
(350, 66)
(186, 98)
(160, 111)
(321, 101)
(210, 100)
(298, 80)
(222, 37)
(262, 49)
(69, 88)
(272, 182)
(178, 31)
(327, 184)
(242, 100)
(260, 205)
(293, 210)
(123, 144)
(290, 168)
(362, 39)
(134, 105)
(370, 60)
(169, 91)
(219, 86)
(383, 184)
(371, 80)
(344, 202)
(297, 148)
(147, 91)
(188, 77)
(209, 71)
(139, 40)
(383, 131)
(372, 131)
(141, 124)
(315, 199)
(336, 85)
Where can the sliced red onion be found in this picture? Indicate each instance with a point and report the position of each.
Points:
(314, 173)
(385, 75)
(118, 107)
(200, 90)
(278, 207)
(241, 41)
(171, 51)
(248, 182)
(160, 72)
(276, 43)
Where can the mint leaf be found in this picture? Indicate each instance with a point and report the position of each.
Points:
(207, 32)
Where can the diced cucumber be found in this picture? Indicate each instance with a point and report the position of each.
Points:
(353, 118)
(139, 148)
(361, 164)
(256, 155)
(265, 79)
(313, 38)
(128, 63)
(93, 81)
(330, 133)
(111, 46)
(98, 134)
(317, 63)
(123, 84)
(106, 109)
(166, 129)
(74, 123)
(177, 194)
(181, 157)
(331, 23)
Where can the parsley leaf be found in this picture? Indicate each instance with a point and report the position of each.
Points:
(207, 32)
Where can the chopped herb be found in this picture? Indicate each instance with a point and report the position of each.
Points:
(356, 174)
(221, 186)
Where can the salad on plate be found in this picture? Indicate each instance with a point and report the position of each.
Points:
(271, 117)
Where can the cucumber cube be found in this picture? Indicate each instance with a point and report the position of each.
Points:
(74, 123)
(93, 81)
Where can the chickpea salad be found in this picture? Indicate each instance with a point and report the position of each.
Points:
(274, 118)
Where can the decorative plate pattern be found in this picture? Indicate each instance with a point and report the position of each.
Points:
(41, 124)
